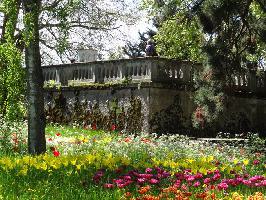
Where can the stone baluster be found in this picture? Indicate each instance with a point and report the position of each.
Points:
(186, 72)
(252, 81)
(120, 74)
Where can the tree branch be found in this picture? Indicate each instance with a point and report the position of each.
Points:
(75, 24)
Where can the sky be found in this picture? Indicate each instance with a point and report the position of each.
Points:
(130, 32)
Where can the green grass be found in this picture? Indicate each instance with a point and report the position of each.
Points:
(54, 186)
(70, 131)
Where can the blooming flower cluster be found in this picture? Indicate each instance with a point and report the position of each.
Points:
(150, 167)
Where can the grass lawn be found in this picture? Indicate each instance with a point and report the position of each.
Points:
(91, 164)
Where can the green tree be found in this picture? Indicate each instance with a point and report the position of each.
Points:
(60, 22)
(228, 36)
(12, 83)
(236, 43)
(178, 35)
(180, 38)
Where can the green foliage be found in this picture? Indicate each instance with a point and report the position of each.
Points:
(229, 36)
(12, 75)
(235, 44)
(12, 83)
(180, 38)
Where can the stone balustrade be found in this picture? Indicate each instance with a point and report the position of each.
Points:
(248, 81)
(149, 69)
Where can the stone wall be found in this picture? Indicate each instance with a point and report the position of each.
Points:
(151, 94)
(150, 108)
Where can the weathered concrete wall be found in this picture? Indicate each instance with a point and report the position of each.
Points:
(167, 110)
(244, 113)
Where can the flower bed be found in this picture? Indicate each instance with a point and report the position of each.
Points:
(119, 166)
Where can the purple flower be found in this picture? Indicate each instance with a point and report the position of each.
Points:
(196, 184)
(165, 174)
(246, 182)
(177, 183)
(146, 176)
(216, 177)
(140, 180)
(184, 187)
(121, 185)
(127, 177)
(118, 181)
(256, 178)
(154, 181)
(222, 186)
(263, 183)
(148, 170)
(256, 162)
(190, 178)
(207, 181)
(198, 176)
(128, 182)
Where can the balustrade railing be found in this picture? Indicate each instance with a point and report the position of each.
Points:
(150, 69)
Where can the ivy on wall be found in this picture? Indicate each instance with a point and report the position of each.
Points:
(89, 114)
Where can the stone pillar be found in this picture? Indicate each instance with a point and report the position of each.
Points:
(252, 83)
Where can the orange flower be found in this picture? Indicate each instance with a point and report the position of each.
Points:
(150, 197)
(127, 194)
(144, 190)
(257, 196)
(213, 196)
(127, 139)
(145, 140)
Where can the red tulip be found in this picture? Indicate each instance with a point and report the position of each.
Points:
(56, 153)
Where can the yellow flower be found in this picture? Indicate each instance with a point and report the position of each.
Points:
(73, 162)
(203, 171)
(210, 158)
(246, 161)
(236, 196)
(236, 161)
(78, 167)
(23, 171)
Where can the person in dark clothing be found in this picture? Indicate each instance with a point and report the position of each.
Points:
(150, 48)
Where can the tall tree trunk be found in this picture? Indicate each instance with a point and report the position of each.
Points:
(36, 118)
